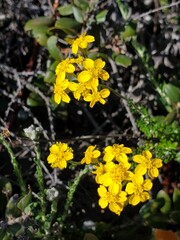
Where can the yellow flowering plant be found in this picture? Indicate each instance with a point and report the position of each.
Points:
(90, 95)
(122, 179)
(81, 75)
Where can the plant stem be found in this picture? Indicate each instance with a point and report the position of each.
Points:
(39, 176)
(15, 165)
(71, 192)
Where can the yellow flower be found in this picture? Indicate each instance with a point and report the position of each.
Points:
(80, 90)
(99, 171)
(60, 92)
(93, 70)
(117, 152)
(115, 201)
(91, 155)
(96, 97)
(147, 164)
(115, 174)
(138, 189)
(81, 42)
(60, 153)
(65, 66)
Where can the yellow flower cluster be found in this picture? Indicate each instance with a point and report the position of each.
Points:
(120, 182)
(81, 75)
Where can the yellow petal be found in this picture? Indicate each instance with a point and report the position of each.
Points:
(140, 169)
(65, 98)
(116, 208)
(129, 188)
(105, 93)
(103, 203)
(57, 98)
(54, 149)
(96, 153)
(139, 158)
(88, 63)
(102, 191)
(104, 75)
(70, 68)
(144, 197)
(157, 162)
(60, 77)
(99, 63)
(134, 199)
(89, 38)
(153, 172)
(84, 76)
(147, 185)
(74, 48)
(147, 154)
(73, 86)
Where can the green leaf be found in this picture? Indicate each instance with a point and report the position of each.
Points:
(38, 22)
(14, 228)
(175, 215)
(177, 157)
(24, 201)
(65, 10)
(129, 31)
(167, 205)
(101, 17)
(11, 208)
(67, 24)
(172, 93)
(176, 199)
(41, 38)
(124, 9)
(52, 48)
(159, 221)
(34, 100)
(50, 73)
(123, 60)
(78, 15)
(82, 4)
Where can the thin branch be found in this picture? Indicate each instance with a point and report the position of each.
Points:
(156, 10)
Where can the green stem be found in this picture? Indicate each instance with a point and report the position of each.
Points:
(15, 165)
(39, 176)
(117, 94)
(71, 192)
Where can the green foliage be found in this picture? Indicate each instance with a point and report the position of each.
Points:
(162, 211)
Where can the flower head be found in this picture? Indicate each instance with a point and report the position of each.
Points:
(147, 164)
(93, 71)
(91, 155)
(115, 174)
(96, 97)
(115, 201)
(60, 153)
(60, 91)
(65, 66)
(81, 42)
(117, 152)
(138, 189)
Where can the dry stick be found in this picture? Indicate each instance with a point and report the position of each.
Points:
(124, 99)
(36, 90)
(156, 10)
